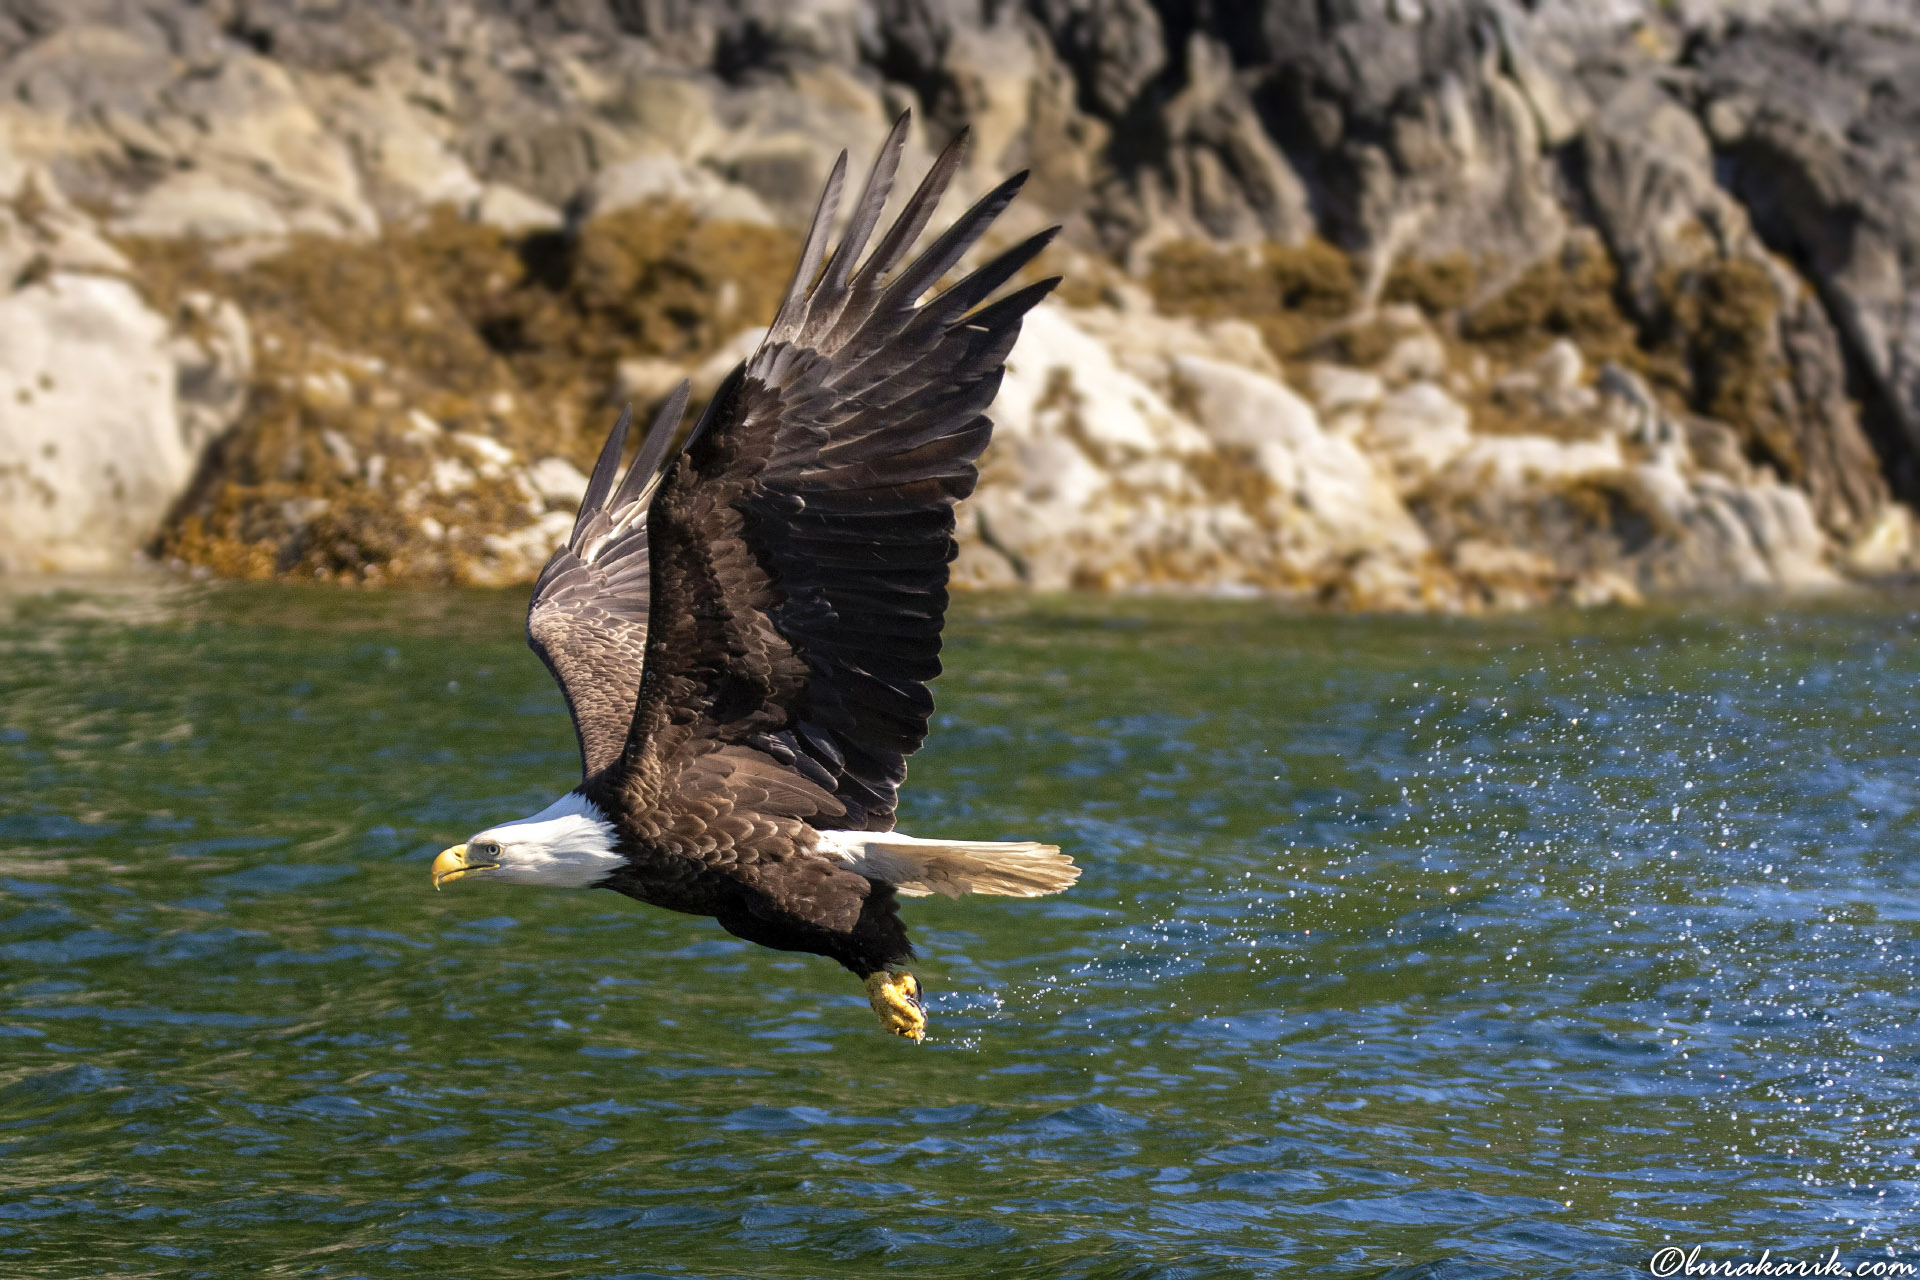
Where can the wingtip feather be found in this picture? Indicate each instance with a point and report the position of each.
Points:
(914, 217)
(794, 305)
(654, 449)
(604, 470)
(866, 215)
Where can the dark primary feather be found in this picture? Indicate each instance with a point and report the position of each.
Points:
(588, 618)
(801, 542)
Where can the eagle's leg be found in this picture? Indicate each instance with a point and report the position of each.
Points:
(876, 948)
(895, 997)
(873, 949)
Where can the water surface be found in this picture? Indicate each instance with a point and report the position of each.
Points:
(1451, 949)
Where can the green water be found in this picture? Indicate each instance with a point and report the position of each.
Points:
(1514, 947)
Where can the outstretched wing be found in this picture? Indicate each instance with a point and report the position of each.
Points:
(588, 616)
(801, 541)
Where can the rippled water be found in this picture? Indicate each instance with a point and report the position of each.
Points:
(1514, 947)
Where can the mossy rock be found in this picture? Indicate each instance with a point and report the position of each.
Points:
(1569, 295)
(1722, 324)
(1290, 293)
(1438, 286)
(513, 339)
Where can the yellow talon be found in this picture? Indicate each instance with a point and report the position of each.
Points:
(896, 998)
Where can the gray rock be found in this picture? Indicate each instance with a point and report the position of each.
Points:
(1115, 48)
(1648, 168)
(1824, 167)
(1222, 169)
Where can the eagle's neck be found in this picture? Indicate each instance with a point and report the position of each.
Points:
(567, 845)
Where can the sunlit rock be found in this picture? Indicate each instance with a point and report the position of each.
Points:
(1416, 432)
(104, 409)
(664, 177)
(513, 210)
(558, 481)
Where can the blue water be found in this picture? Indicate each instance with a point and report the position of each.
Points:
(1423, 948)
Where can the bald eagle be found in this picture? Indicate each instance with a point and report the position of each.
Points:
(745, 626)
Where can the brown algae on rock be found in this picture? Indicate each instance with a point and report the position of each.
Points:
(404, 383)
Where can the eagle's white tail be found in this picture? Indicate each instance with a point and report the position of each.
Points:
(1015, 869)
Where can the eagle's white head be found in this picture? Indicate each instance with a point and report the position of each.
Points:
(567, 845)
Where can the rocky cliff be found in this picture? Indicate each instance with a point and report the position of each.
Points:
(1390, 303)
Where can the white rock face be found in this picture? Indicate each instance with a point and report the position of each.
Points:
(1238, 408)
(1516, 463)
(519, 555)
(105, 405)
(1328, 495)
(1337, 387)
(1142, 340)
(202, 206)
(1756, 535)
(645, 380)
(1886, 546)
(1418, 356)
(1416, 432)
(404, 148)
(1129, 456)
(1062, 379)
(558, 481)
(93, 447)
(212, 352)
(1083, 484)
(1095, 478)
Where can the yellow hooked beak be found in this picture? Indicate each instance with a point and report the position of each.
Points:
(451, 865)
